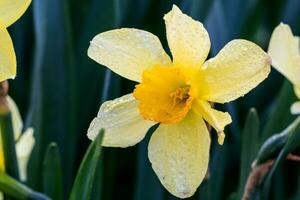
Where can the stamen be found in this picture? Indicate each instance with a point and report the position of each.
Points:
(180, 95)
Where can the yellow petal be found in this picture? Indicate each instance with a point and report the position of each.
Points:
(16, 117)
(295, 108)
(7, 56)
(179, 154)
(128, 52)
(12, 10)
(238, 68)
(217, 119)
(122, 122)
(297, 91)
(188, 40)
(24, 148)
(284, 51)
(2, 161)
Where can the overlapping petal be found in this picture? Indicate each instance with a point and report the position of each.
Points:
(12, 10)
(285, 53)
(123, 124)
(7, 56)
(128, 52)
(238, 68)
(179, 154)
(188, 40)
(217, 119)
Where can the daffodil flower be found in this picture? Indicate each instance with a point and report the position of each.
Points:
(176, 94)
(10, 11)
(284, 49)
(24, 142)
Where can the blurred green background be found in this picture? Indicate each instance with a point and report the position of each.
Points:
(59, 90)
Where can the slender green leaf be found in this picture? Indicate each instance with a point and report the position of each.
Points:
(8, 142)
(52, 175)
(291, 144)
(15, 189)
(249, 147)
(271, 147)
(51, 87)
(280, 115)
(83, 184)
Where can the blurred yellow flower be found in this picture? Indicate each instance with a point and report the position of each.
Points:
(10, 11)
(24, 142)
(284, 49)
(175, 94)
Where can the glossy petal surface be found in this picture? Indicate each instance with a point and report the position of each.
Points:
(128, 52)
(122, 122)
(179, 154)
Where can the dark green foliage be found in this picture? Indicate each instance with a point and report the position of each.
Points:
(52, 175)
(15, 189)
(83, 185)
(59, 90)
(8, 142)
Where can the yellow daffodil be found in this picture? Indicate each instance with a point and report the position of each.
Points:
(284, 49)
(176, 94)
(10, 11)
(24, 142)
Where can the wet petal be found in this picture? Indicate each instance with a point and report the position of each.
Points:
(238, 68)
(24, 148)
(128, 52)
(7, 56)
(179, 154)
(188, 40)
(12, 10)
(284, 51)
(123, 124)
(217, 119)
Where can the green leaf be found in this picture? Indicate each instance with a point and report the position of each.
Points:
(271, 147)
(249, 147)
(8, 142)
(52, 79)
(280, 115)
(52, 175)
(15, 189)
(293, 141)
(83, 184)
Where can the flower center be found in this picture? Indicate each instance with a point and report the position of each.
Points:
(180, 95)
(165, 95)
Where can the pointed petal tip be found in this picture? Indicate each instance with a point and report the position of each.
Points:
(176, 8)
(221, 137)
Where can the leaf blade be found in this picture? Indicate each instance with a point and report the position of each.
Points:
(52, 175)
(83, 184)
